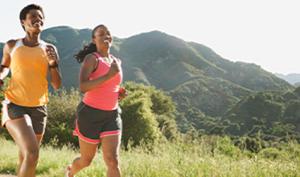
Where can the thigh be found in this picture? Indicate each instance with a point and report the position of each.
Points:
(23, 134)
(87, 150)
(39, 139)
(111, 145)
(38, 117)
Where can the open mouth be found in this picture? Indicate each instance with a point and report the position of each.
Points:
(107, 41)
(37, 24)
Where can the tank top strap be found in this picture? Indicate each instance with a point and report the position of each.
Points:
(43, 44)
(98, 59)
(97, 55)
(18, 44)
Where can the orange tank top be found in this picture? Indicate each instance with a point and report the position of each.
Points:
(28, 85)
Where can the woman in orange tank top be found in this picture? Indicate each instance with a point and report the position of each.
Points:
(98, 115)
(24, 111)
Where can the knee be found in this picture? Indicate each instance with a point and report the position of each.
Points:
(86, 161)
(32, 155)
(112, 160)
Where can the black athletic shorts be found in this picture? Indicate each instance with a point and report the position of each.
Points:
(92, 124)
(34, 116)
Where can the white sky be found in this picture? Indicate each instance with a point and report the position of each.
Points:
(265, 32)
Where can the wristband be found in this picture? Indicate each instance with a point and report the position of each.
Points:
(54, 66)
(122, 90)
(3, 66)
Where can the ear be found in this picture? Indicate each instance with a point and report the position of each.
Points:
(22, 23)
(93, 40)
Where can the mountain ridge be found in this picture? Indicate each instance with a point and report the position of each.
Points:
(292, 78)
(195, 76)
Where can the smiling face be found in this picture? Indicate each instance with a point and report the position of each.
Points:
(102, 38)
(34, 21)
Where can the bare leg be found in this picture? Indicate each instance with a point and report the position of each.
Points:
(110, 149)
(25, 139)
(21, 157)
(87, 153)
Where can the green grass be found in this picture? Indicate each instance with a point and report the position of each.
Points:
(204, 158)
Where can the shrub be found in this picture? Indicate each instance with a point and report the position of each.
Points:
(61, 114)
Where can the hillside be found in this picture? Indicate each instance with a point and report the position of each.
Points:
(274, 114)
(194, 75)
(293, 78)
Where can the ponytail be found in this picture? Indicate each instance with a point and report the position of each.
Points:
(87, 49)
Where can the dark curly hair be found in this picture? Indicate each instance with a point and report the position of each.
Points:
(87, 49)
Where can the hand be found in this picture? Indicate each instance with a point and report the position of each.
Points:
(51, 55)
(114, 69)
(122, 93)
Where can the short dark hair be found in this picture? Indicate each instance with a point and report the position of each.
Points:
(29, 7)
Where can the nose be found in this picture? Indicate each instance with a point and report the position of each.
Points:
(109, 37)
(39, 18)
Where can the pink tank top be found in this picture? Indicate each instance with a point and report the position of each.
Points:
(104, 96)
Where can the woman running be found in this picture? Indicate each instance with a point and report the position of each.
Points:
(98, 115)
(24, 110)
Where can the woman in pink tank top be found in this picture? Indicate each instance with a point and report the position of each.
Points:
(98, 115)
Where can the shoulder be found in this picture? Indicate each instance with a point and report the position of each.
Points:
(89, 63)
(90, 59)
(116, 58)
(9, 45)
(7, 50)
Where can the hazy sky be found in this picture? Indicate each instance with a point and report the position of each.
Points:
(265, 32)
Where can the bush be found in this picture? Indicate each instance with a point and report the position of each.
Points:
(61, 111)
(272, 153)
(226, 147)
(160, 105)
(148, 115)
(252, 144)
(139, 121)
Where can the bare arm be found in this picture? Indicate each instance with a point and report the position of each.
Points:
(87, 68)
(53, 60)
(4, 68)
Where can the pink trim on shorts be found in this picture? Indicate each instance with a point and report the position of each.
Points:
(76, 132)
(110, 133)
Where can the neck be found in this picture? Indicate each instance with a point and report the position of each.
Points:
(32, 39)
(103, 53)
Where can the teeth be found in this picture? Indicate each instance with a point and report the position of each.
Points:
(37, 23)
